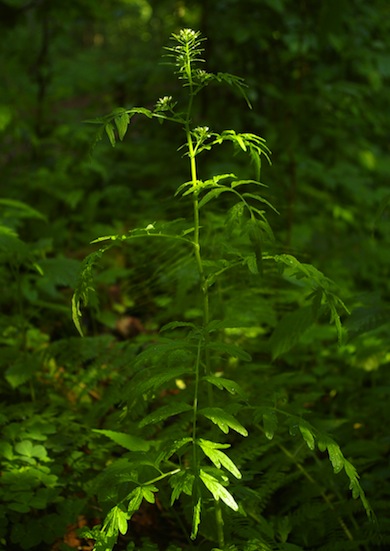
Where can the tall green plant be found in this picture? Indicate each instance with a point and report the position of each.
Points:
(179, 406)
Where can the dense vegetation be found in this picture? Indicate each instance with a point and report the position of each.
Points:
(230, 389)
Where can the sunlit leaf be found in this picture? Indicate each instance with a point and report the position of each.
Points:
(218, 491)
(218, 458)
(196, 518)
(122, 521)
(148, 493)
(135, 499)
(223, 420)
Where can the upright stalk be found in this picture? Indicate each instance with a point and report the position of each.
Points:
(197, 248)
(206, 311)
(195, 408)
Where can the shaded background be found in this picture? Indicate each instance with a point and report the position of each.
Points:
(318, 80)
(317, 76)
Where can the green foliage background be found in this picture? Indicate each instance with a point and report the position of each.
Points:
(318, 76)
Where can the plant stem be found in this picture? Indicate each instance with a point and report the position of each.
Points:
(195, 408)
(206, 319)
(219, 523)
(161, 477)
(197, 248)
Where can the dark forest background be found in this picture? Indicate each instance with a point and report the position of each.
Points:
(318, 80)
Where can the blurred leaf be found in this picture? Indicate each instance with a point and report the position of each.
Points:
(289, 330)
(128, 441)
